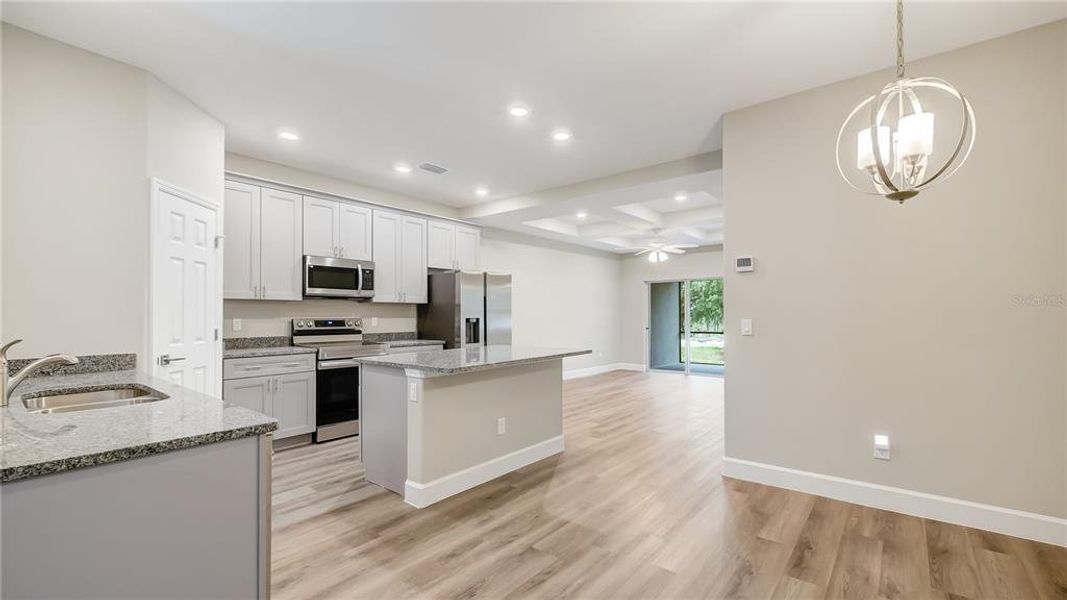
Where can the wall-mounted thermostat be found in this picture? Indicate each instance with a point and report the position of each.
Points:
(745, 264)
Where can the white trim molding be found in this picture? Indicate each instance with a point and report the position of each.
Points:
(1031, 526)
(421, 495)
(589, 371)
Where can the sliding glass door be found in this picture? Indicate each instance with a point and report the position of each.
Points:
(685, 326)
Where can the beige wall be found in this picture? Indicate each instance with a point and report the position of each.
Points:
(701, 263)
(83, 134)
(562, 296)
(871, 317)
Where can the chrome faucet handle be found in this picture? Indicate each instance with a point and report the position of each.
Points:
(5, 347)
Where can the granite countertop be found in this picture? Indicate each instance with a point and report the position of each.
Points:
(32, 444)
(471, 358)
(266, 351)
(407, 343)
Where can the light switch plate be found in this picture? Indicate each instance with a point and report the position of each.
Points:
(746, 326)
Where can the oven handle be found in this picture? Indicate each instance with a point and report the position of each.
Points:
(325, 365)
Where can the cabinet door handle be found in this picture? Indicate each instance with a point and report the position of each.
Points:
(342, 251)
(251, 368)
(291, 365)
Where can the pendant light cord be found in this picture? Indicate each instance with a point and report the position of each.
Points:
(900, 39)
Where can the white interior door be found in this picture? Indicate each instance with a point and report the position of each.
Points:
(185, 301)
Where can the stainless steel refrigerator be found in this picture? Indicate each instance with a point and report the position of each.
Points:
(467, 308)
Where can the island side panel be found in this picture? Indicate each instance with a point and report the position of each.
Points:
(383, 426)
(185, 525)
(455, 422)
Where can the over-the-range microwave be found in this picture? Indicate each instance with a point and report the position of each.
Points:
(330, 277)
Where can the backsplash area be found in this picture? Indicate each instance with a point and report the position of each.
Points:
(93, 363)
(262, 318)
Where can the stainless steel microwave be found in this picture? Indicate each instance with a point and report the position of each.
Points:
(329, 277)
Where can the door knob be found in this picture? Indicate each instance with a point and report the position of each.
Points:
(166, 359)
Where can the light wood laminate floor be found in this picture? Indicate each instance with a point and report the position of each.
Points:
(635, 508)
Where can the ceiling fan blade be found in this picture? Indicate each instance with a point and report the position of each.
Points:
(672, 250)
(685, 246)
(642, 252)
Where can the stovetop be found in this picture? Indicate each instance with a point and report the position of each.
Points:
(334, 338)
(343, 349)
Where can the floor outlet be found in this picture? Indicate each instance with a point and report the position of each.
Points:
(501, 426)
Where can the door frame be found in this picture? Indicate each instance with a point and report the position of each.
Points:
(686, 325)
(157, 186)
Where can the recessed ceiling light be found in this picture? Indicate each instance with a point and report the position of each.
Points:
(581, 214)
(481, 191)
(402, 168)
(562, 135)
(518, 110)
(680, 197)
(291, 136)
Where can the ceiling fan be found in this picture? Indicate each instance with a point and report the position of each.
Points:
(659, 250)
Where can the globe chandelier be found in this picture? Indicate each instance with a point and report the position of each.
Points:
(895, 151)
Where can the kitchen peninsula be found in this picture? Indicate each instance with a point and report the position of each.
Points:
(437, 423)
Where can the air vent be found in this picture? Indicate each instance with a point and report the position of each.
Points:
(432, 168)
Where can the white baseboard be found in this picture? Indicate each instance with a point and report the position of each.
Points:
(421, 495)
(1032, 526)
(588, 371)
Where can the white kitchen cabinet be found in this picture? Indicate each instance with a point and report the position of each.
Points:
(321, 218)
(441, 245)
(263, 231)
(453, 246)
(252, 393)
(400, 272)
(356, 232)
(414, 276)
(293, 404)
(287, 393)
(468, 248)
(281, 227)
(386, 256)
(240, 276)
(337, 229)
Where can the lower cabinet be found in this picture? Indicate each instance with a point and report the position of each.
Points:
(287, 396)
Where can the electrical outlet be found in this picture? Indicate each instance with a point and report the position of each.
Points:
(374, 321)
(501, 426)
(237, 324)
(881, 446)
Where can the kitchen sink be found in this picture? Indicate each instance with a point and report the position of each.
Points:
(56, 401)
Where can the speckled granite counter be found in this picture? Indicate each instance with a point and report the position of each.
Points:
(471, 358)
(266, 351)
(38, 444)
(413, 343)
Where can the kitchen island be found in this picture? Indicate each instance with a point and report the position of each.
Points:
(161, 492)
(440, 422)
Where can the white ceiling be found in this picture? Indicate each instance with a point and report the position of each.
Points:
(367, 85)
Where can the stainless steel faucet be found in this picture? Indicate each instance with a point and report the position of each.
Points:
(8, 384)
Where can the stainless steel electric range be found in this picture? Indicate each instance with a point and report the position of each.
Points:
(338, 342)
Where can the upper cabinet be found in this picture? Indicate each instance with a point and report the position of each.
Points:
(340, 229)
(468, 248)
(452, 246)
(400, 271)
(268, 232)
(263, 230)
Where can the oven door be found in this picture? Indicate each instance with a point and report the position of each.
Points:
(327, 277)
(337, 399)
